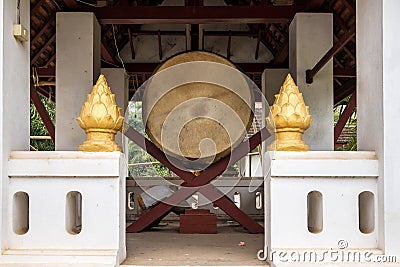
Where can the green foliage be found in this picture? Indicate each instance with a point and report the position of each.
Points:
(37, 127)
(138, 156)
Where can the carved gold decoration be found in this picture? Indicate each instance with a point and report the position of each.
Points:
(101, 119)
(291, 118)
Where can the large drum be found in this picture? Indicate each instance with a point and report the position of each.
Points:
(197, 107)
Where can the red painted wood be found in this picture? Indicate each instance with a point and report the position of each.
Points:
(192, 183)
(46, 72)
(198, 211)
(43, 113)
(345, 90)
(345, 116)
(232, 210)
(44, 47)
(198, 223)
(344, 72)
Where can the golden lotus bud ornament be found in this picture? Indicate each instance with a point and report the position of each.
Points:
(291, 117)
(101, 119)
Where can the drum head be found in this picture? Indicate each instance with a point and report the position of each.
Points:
(197, 111)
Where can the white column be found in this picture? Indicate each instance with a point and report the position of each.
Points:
(14, 97)
(378, 108)
(119, 83)
(310, 37)
(78, 67)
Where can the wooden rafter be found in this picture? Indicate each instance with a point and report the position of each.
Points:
(37, 55)
(44, 29)
(344, 72)
(350, 5)
(37, 6)
(53, 57)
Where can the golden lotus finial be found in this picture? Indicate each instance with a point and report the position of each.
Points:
(101, 119)
(291, 117)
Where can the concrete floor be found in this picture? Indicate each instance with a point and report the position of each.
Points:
(163, 245)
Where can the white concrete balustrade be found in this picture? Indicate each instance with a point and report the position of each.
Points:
(66, 208)
(319, 198)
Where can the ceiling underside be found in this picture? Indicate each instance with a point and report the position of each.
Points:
(271, 31)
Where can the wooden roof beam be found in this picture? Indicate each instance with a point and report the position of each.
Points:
(344, 72)
(195, 14)
(46, 72)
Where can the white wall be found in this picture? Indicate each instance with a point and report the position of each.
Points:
(14, 95)
(78, 67)
(378, 69)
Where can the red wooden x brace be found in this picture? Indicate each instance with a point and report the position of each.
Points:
(195, 184)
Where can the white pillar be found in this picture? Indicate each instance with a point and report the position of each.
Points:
(78, 67)
(119, 83)
(14, 98)
(310, 37)
(378, 109)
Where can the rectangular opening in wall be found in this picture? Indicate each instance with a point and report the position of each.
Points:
(20, 213)
(366, 211)
(314, 212)
(73, 213)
